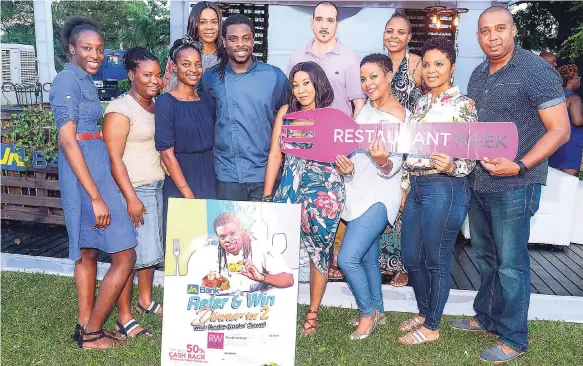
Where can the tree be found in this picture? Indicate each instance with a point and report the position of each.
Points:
(572, 48)
(17, 22)
(150, 28)
(111, 15)
(546, 25)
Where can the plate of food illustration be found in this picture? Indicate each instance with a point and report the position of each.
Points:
(217, 281)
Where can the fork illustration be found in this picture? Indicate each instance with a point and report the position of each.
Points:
(334, 133)
(176, 252)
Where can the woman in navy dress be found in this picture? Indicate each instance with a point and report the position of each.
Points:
(95, 216)
(185, 129)
(568, 157)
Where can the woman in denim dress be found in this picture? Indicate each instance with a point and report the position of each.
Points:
(95, 216)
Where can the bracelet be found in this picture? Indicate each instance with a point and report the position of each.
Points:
(386, 164)
(267, 198)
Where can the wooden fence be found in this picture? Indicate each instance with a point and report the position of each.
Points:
(32, 195)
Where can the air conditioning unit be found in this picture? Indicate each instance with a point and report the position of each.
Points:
(18, 68)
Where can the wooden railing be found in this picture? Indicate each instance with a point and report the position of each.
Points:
(32, 195)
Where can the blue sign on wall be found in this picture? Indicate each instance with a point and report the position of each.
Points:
(13, 159)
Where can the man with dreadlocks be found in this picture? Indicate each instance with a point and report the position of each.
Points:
(247, 93)
(247, 263)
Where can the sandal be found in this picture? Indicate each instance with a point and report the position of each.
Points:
(100, 334)
(415, 337)
(410, 324)
(130, 326)
(360, 336)
(312, 323)
(382, 320)
(395, 280)
(335, 274)
(79, 334)
(153, 308)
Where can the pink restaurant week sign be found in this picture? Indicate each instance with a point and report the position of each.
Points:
(334, 133)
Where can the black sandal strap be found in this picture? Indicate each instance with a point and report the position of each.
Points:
(144, 332)
(78, 332)
(100, 335)
(122, 330)
(130, 326)
(99, 332)
(153, 308)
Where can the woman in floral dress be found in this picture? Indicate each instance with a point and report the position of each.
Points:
(318, 187)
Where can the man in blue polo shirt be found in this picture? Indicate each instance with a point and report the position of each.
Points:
(512, 85)
(247, 93)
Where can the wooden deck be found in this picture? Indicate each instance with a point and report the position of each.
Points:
(554, 270)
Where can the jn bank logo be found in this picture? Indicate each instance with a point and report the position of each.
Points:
(11, 158)
(192, 289)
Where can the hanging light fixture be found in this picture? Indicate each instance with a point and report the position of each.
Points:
(434, 11)
(457, 11)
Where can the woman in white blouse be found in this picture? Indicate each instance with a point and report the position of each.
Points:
(373, 196)
(438, 199)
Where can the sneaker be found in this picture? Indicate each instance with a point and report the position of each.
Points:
(465, 325)
(496, 355)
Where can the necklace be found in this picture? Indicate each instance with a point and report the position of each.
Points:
(146, 107)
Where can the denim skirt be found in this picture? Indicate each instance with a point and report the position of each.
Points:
(149, 251)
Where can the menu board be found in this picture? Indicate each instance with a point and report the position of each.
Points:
(423, 28)
(259, 15)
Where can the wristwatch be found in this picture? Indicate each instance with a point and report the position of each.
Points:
(523, 168)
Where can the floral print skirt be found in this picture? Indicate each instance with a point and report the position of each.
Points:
(319, 188)
(390, 247)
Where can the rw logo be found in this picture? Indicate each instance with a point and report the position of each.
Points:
(216, 340)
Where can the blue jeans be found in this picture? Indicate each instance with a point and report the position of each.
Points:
(359, 259)
(432, 217)
(500, 228)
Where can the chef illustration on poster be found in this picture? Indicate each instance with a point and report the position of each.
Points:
(230, 286)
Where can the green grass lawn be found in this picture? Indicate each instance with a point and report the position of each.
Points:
(38, 317)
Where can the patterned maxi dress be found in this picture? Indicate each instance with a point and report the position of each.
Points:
(319, 188)
(407, 93)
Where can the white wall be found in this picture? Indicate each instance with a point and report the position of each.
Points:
(45, 50)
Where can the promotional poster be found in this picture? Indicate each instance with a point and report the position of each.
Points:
(231, 283)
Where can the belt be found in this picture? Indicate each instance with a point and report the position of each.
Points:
(88, 136)
(425, 172)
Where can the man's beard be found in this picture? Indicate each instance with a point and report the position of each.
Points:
(242, 62)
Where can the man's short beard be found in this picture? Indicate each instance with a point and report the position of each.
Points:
(234, 59)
